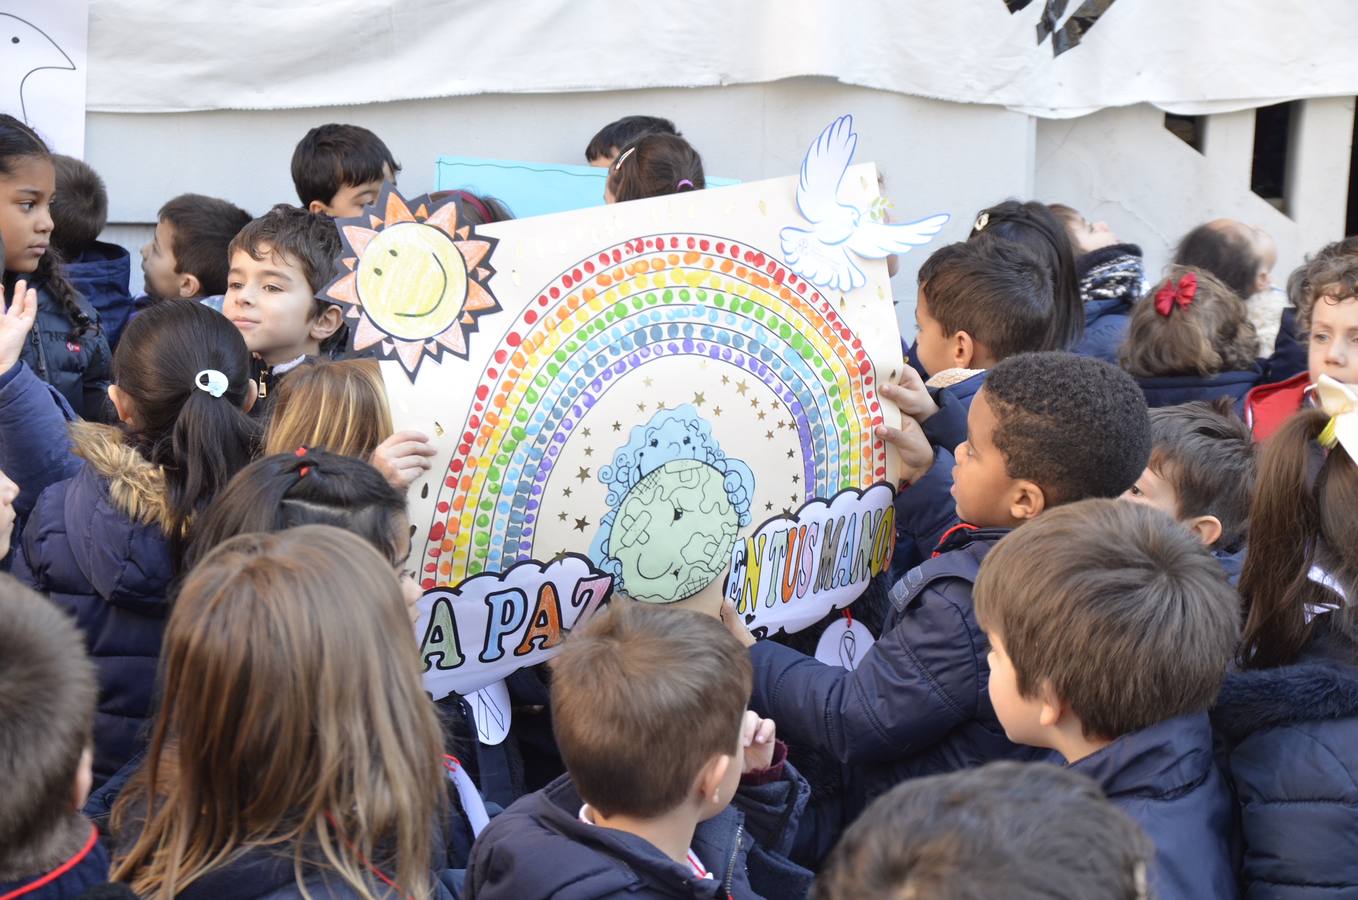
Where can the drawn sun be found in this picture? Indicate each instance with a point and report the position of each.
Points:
(416, 282)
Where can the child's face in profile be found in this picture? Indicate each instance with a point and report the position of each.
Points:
(982, 486)
(1090, 236)
(1018, 715)
(271, 302)
(349, 201)
(931, 344)
(26, 212)
(158, 265)
(1332, 348)
(1152, 490)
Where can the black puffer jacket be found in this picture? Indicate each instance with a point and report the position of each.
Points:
(79, 368)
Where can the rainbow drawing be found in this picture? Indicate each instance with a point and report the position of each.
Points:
(608, 317)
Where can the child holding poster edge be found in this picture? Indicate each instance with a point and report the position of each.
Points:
(669, 775)
(917, 704)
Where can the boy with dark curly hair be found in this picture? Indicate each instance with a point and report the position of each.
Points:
(1046, 429)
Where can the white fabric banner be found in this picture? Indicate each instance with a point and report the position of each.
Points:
(1055, 58)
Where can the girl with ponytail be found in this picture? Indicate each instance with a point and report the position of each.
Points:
(1289, 717)
(111, 506)
(66, 348)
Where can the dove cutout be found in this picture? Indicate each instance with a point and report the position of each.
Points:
(27, 50)
(840, 229)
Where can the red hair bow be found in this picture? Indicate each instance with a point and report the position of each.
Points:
(1180, 295)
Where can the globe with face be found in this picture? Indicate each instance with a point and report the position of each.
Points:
(413, 281)
(673, 532)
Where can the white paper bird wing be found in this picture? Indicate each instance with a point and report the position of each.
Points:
(824, 265)
(823, 170)
(875, 240)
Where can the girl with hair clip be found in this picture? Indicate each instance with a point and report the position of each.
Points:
(113, 504)
(309, 766)
(1289, 717)
(473, 209)
(66, 348)
(653, 166)
(1191, 339)
(342, 407)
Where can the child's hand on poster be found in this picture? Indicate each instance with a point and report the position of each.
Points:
(16, 321)
(912, 447)
(403, 457)
(735, 624)
(910, 395)
(757, 737)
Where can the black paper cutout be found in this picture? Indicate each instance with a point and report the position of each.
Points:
(1067, 36)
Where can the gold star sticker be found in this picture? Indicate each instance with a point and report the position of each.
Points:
(794, 498)
(786, 511)
(789, 454)
(560, 555)
(565, 492)
(699, 399)
(617, 426)
(717, 411)
(768, 507)
(583, 474)
(647, 381)
(641, 407)
(761, 415)
(581, 524)
(768, 435)
(561, 517)
(585, 432)
(589, 451)
(796, 478)
(726, 379)
(741, 386)
(755, 403)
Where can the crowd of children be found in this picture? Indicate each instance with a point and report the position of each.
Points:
(1114, 654)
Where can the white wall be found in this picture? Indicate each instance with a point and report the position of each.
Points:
(1123, 166)
(937, 157)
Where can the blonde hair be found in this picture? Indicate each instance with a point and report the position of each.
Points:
(1212, 334)
(336, 406)
(292, 718)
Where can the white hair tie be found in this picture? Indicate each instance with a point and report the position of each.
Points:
(212, 381)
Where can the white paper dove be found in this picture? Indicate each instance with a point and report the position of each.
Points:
(822, 254)
(27, 49)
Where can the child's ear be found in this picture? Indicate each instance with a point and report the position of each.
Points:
(189, 286)
(1026, 500)
(1052, 709)
(319, 208)
(123, 405)
(84, 778)
(327, 323)
(1207, 529)
(962, 348)
(1262, 281)
(707, 786)
(251, 395)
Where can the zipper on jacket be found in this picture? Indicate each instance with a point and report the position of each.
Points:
(731, 863)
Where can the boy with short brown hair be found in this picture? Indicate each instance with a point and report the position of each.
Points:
(1110, 631)
(47, 692)
(649, 710)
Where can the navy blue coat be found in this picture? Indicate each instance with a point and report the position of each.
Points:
(1290, 739)
(1288, 359)
(1105, 328)
(539, 848)
(95, 544)
(101, 276)
(1110, 283)
(1171, 390)
(1165, 778)
(82, 871)
(82, 369)
(918, 702)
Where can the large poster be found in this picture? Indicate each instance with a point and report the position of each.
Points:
(1047, 57)
(671, 400)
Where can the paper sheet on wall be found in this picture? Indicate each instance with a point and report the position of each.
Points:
(42, 69)
(644, 399)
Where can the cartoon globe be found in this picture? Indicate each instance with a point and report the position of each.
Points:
(673, 532)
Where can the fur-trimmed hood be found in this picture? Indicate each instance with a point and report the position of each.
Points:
(136, 486)
(1311, 691)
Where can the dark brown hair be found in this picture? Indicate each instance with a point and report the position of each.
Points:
(1212, 334)
(80, 207)
(1302, 519)
(653, 166)
(1206, 454)
(1035, 227)
(1222, 248)
(642, 698)
(1099, 599)
(331, 156)
(47, 691)
(1074, 425)
(203, 229)
(1022, 831)
(994, 289)
(618, 134)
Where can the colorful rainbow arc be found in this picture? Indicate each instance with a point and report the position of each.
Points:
(646, 299)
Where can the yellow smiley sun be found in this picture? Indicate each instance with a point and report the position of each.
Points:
(414, 282)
